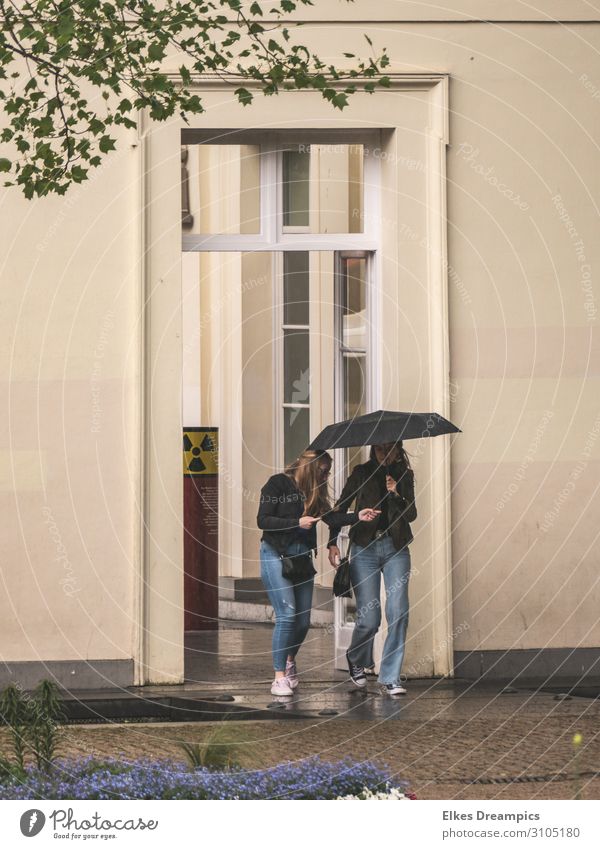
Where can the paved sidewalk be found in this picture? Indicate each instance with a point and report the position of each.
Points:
(441, 736)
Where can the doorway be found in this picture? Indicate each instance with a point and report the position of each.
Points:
(277, 340)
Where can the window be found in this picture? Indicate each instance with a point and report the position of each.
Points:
(296, 189)
(352, 335)
(315, 195)
(294, 200)
(296, 354)
(225, 185)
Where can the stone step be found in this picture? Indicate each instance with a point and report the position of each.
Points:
(252, 591)
(256, 612)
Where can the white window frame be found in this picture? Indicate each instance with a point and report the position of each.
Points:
(344, 628)
(280, 328)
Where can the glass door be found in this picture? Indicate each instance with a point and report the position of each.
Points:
(352, 333)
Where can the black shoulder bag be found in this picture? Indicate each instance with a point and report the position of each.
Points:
(297, 568)
(341, 581)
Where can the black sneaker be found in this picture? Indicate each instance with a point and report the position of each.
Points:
(370, 672)
(357, 674)
(395, 689)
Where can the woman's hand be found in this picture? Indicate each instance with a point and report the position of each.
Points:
(368, 514)
(307, 522)
(334, 556)
(390, 484)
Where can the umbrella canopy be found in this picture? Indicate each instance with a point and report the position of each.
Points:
(381, 427)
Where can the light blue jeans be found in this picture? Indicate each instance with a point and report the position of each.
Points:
(367, 565)
(291, 602)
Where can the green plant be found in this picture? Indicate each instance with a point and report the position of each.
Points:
(15, 710)
(32, 721)
(220, 749)
(46, 711)
(72, 70)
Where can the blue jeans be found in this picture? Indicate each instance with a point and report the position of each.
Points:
(367, 565)
(291, 603)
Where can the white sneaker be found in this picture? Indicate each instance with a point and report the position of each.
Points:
(281, 687)
(395, 689)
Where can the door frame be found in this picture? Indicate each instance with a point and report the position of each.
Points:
(159, 556)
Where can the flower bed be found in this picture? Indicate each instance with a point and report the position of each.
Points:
(313, 778)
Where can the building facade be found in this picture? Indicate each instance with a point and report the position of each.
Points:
(265, 271)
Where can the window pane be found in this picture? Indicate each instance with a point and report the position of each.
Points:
(296, 374)
(354, 328)
(354, 386)
(296, 430)
(296, 188)
(295, 287)
(223, 185)
(339, 190)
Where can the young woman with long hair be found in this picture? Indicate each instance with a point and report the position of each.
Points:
(291, 504)
(379, 550)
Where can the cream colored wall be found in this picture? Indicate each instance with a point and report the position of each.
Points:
(521, 342)
(257, 386)
(70, 372)
(520, 321)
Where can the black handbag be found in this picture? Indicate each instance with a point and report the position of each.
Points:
(297, 568)
(341, 583)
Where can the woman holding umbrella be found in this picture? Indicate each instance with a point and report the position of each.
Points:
(379, 550)
(291, 504)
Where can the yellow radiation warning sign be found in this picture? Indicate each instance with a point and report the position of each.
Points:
(200, 451)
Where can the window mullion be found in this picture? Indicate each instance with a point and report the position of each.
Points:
(268, 193)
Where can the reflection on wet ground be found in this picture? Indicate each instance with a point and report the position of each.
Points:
(229, 674)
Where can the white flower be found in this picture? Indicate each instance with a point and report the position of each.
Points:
(393, 793)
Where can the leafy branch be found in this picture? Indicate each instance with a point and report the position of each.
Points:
(119, 48)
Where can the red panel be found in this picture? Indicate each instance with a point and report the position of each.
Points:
(200, 552)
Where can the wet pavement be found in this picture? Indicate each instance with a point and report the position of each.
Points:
(450, 739)
(229, 674)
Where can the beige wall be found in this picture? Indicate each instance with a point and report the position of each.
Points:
(521, 343)
(69, 354)
(257, 388)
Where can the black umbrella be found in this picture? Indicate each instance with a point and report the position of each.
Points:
(381, 427)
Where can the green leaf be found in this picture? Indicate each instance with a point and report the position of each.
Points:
(96, 126)
(78, 174)
(339, 100)
(156, 52)
(5, 165)
(244, 96)
(106, 144)
(44, 127)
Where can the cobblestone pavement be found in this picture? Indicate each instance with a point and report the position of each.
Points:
(515, 736)
(439, 737)
(432, 756)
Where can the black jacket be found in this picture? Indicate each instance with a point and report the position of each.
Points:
(363, 486)
(279, 512)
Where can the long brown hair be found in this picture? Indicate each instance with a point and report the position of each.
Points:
(305, 472)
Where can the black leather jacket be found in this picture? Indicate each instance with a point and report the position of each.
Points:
(279, 512)
(363, 487)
